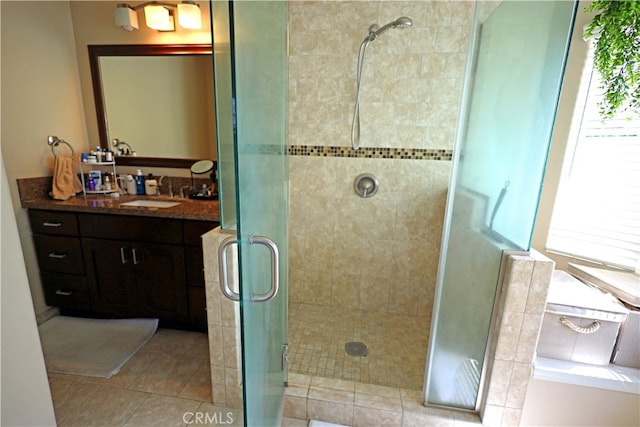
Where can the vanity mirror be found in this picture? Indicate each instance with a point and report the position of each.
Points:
(158, 99)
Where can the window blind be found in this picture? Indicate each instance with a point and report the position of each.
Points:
(597, 211)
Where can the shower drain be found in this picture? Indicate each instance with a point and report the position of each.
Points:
(357, 349)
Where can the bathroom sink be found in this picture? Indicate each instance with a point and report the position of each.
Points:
(150, 203)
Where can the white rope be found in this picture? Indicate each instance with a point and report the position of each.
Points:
(581, 329)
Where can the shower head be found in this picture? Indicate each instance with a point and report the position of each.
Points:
(401, 23)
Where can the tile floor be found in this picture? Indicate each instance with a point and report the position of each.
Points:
(167, 383)
(397, 345)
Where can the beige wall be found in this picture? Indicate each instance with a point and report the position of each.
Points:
(370, 253)
(551, 403)
(40, 96)
(25, 397)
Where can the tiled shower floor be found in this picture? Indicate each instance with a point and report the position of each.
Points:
(397, 345)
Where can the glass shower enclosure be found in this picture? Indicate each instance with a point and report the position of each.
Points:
(251, 79)
(514, 74)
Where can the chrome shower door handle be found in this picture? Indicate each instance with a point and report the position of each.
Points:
(222, 268)
(275, 269)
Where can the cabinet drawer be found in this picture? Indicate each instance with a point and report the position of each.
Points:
(132, 228)
(193, 230)
(59, 254)
(57, 223)
(66, 291)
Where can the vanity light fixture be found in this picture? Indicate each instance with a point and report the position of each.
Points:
(159, 15)
(189, 15)
(126, 18)
(159, 18)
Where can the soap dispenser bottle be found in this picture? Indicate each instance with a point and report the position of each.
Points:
(139, 182)
(151, 186)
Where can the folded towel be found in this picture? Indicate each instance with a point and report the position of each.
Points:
(65, 181)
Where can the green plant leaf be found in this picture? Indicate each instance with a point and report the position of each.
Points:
(616, 28)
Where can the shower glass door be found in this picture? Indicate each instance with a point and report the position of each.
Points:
(512, 86)
(250, 47)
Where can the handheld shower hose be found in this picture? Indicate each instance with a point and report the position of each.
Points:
(374, 32)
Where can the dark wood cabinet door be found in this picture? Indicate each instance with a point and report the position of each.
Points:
(113, 285)
(197, 306)
(161, 272)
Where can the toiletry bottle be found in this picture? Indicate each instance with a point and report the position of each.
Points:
(139, 182)
(131, 185)
(91, 184)
(107, 183)
(151, 186)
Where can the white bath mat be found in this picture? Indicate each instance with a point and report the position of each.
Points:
(316, 423)
(92, 347)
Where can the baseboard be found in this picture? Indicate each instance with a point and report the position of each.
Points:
(47, 314)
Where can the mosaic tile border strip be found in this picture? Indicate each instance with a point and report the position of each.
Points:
(369, 152)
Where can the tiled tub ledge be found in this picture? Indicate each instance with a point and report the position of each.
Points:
(606, 377)
(357, 404)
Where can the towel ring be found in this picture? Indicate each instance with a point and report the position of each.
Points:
(54, 141)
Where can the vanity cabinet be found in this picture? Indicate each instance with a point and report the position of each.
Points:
(146, 254)
(123, 266)
(131, 278)
(59, 252)
(112, 283)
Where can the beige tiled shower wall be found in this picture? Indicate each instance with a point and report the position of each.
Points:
(376, 254)
(379, 253)
(411, 80)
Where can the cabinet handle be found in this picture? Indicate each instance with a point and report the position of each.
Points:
(57, 256)
(135, 257)
(64, 293)
(52, 224)
(122, 255)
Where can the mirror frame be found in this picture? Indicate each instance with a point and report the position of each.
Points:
(97, 51)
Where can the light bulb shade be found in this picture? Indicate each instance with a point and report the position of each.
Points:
(125, 17)
(189, 15)
(158, 18)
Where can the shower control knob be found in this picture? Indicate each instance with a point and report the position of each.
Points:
(366, 185)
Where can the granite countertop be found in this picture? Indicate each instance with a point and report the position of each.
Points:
(34, 195)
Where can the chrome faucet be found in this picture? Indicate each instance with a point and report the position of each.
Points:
(182, 190)
(161, 181)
